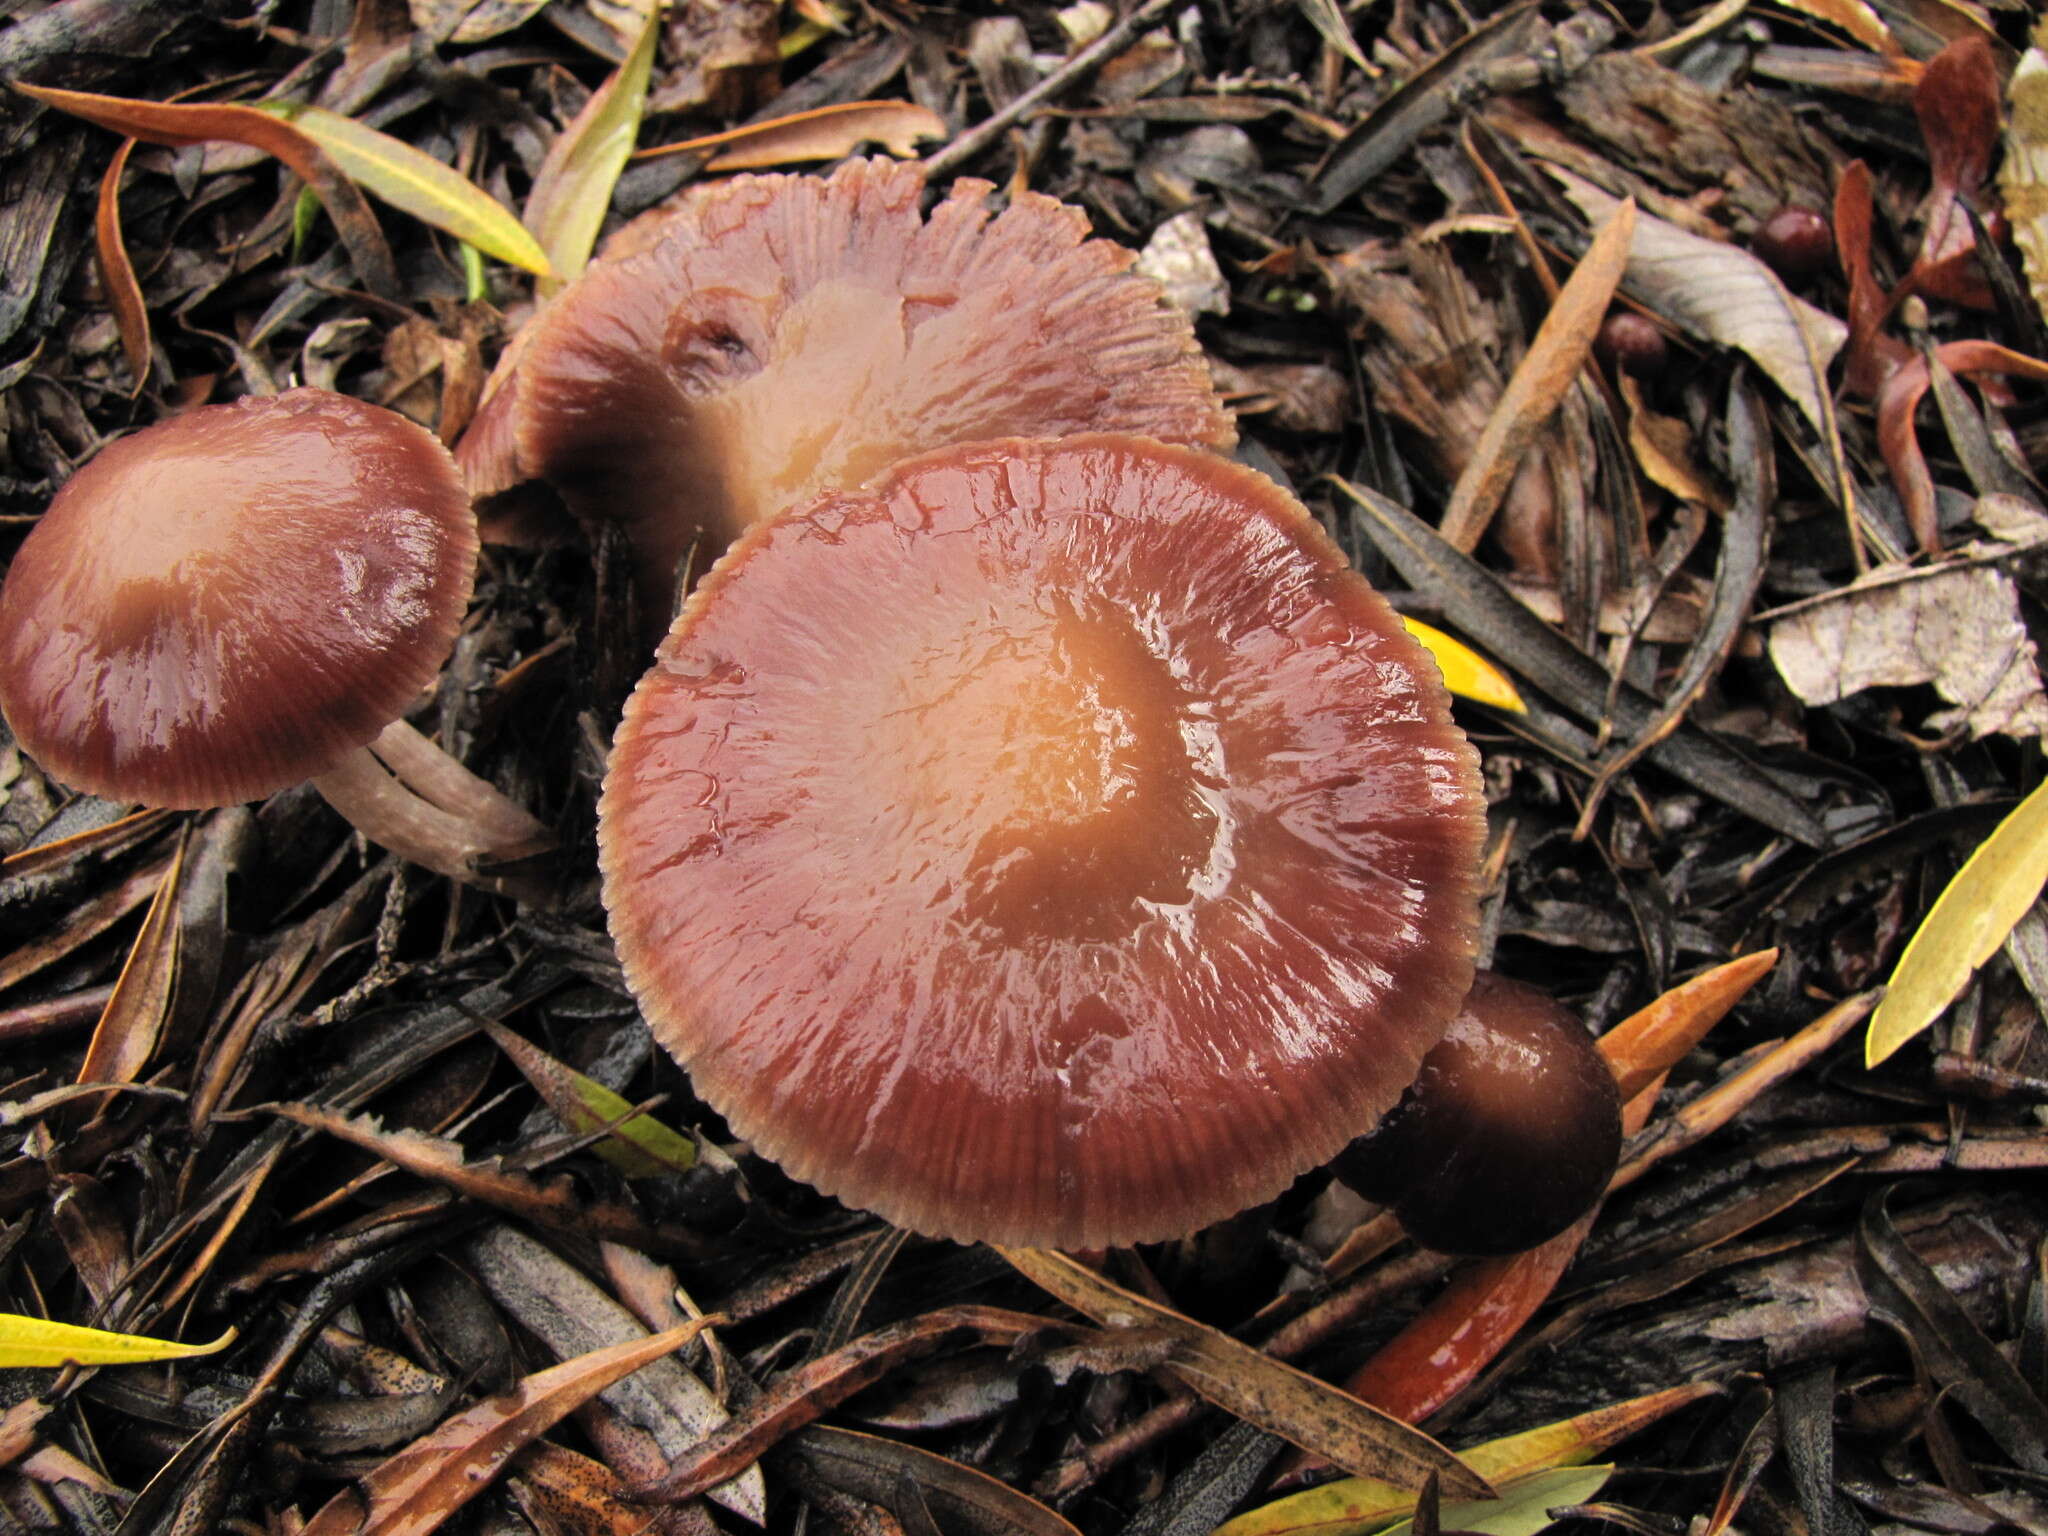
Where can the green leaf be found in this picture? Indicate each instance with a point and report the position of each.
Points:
(35, 1341)
(640, 1148)
(416, 183)
(1467, 673)
(1990, 893)
(1523, 1507)
(573, 190)
(1354, 1506)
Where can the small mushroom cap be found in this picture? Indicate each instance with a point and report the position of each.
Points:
(1508, 1135)
(780, 336)
(231, 601)
(1054, 844)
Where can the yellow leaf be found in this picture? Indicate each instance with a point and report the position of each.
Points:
(1524, 1506)
(34, 1341)
(573, 189)
(1351, 1506)
(1467, 673)
(414, 182)
(1969, 920)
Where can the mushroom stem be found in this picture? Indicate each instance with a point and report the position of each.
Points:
(436, 777)
(404, 793)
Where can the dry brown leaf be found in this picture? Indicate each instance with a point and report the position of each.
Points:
(551, 1203)
(1540, 380)
(824, 133)
(1723, 294)
(134, 1017)
(413, 1492)
(1663, 448)
(1957, 628)
(1259, 1389)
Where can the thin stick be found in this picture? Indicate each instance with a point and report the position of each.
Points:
(974, 140)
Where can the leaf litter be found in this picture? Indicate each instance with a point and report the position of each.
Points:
(1720, 601)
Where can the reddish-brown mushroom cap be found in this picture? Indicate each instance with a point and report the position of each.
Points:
(1508, 1135)
(780, 336)
(233, 600)
(1054, 844)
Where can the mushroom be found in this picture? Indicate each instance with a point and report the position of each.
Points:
(1508, 1135)
(779, 336)
(1053, 843)
(246, 596)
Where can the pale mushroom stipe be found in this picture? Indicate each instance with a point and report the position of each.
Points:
(247, 596)
(1054, 843)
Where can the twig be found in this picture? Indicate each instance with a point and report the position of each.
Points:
(966, 145)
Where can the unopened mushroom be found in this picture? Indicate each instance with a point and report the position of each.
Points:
(780, 336)
(1054, 843)
(244, 597)
(1508, 1135)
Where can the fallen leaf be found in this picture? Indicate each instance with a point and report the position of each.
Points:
(964, 1498)
(1328, 19)
(638, 1145)
(117, 273)
(180, 123)
(1899, 398)
(1957, 104)
(1467, 673)
(415, 1491)
(471, 21)
(1360, 1438)
(1993, 890)
(1653, 1040)
(414, 182)
(1854, 17)
(1957, 627)
(27, 1342)
(1523, 1507)
(823, 133)
(1723, 294)
(572, 191)
(1354, 1506)
(1541, 379)
(800, 1396)
(134, 1017)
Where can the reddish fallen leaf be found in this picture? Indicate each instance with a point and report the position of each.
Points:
(1870, 356)
(414, 1491)
(1426, 1364)
(180, 123)
(1897, 401)
(823, 133)
(1648, 1043)
(1958, 105)
(117, 273)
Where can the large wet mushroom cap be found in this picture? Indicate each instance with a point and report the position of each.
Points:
(1055, 843)
(780, 336)
(233, 600)
(1508, 1135)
